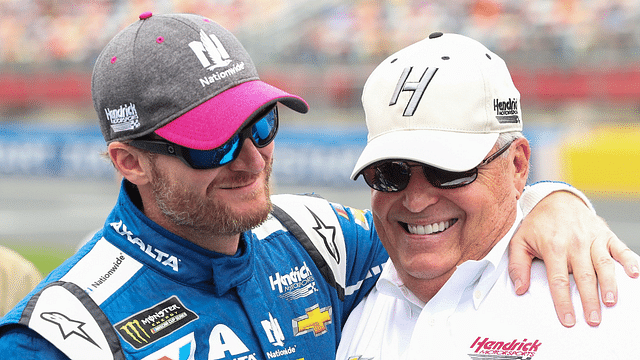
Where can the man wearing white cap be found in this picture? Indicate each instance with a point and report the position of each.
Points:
(196, 260)
(447, 164)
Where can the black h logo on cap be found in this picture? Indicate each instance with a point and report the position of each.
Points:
(417, 88)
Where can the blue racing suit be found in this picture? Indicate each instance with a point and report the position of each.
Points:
(137, 291)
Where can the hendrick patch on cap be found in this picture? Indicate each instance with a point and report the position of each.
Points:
(182, 76)
(442, 101)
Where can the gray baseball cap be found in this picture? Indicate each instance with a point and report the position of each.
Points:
(182, 76)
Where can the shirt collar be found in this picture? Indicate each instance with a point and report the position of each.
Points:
(497, 260)
(390, 284)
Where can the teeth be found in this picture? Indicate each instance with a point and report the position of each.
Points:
(428, 229)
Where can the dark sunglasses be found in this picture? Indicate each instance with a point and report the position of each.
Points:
(261, 132)
(394, 175)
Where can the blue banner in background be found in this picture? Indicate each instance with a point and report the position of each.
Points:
(72, 151)
(322, 156)
(305, 155)
(317, 156)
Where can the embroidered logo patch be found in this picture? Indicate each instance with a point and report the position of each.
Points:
(506, 111)
(123, 118)
(155, 323)
(315, 320)
(486, 348)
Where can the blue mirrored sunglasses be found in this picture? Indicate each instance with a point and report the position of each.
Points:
(261, 133)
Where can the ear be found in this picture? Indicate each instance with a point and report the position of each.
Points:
(521, 154)
(133, 164)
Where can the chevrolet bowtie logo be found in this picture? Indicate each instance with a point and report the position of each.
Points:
(315, 320)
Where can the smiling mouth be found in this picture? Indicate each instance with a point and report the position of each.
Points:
(428, 229)
(231, 187)
(240, 183)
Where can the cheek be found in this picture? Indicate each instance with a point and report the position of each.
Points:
(378, 204)
(381, 203)
(267, 151)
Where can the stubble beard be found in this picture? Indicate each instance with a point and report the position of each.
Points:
(208, 216)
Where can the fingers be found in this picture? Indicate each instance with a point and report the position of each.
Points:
(605, 269)
(570, 238)
(559, 285)
(605, 251)
(519, 267)
(586, 281)
(520, 259)
(622, 254)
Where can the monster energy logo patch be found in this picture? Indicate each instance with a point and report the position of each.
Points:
(156, 322)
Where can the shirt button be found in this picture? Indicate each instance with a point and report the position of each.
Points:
(477, 294)
(432, 321)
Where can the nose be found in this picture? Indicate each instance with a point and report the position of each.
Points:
(419, 193)
(251, 159)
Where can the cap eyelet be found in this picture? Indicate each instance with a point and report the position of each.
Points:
(160, 40)
(113, 59)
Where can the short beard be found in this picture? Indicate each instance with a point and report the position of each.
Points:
(196, 216)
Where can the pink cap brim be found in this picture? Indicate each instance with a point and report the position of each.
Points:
(212, 123)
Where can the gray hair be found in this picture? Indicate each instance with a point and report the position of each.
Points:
(506, 138)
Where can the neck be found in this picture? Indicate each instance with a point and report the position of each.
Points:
(425, 290)
(223, 244)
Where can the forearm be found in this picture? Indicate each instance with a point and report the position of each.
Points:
(534, 193)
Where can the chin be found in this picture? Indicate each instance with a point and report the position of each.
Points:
(427, 267)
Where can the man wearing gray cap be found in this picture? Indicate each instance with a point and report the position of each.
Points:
(196, 259)
(447, 164)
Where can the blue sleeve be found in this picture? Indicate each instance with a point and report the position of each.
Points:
(365, 255)
(21, 343)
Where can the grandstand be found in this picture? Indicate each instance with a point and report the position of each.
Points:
(558, 50)
(574, 61)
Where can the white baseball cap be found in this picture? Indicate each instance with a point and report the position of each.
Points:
(442, 101)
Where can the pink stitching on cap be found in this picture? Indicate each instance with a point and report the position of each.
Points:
(145, 15)
(113, 60)
(160, 40)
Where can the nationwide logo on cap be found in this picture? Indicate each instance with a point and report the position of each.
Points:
(213, 55)
(506, 111)
(210, 51)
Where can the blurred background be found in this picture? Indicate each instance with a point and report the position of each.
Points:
(576, 64)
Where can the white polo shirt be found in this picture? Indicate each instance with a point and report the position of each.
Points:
(477, 315)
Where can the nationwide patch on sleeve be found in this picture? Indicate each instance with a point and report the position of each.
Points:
(154, 323)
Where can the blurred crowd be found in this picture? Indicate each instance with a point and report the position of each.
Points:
(70, 33)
